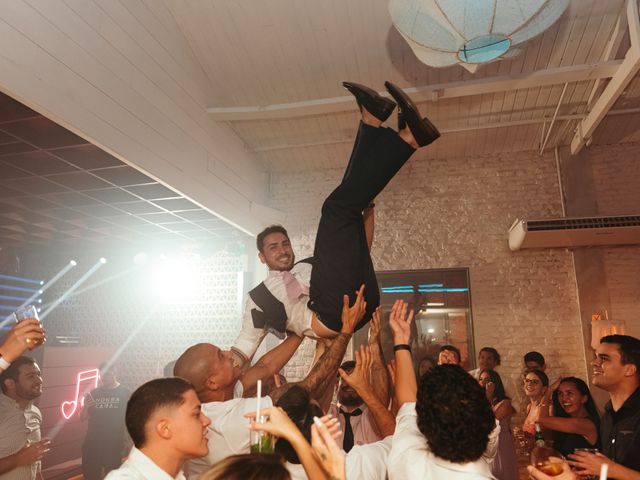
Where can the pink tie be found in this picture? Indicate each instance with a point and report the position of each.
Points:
(294, 288)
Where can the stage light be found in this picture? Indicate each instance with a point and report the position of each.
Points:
(431, 330)
(41, 282)
(173, 279)
(73, 263)
(140, 258)
(103, 260)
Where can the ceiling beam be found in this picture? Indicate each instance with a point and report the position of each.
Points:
(625, 73)
(323, 106)
(481, 126)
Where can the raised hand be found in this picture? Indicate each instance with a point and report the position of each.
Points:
(329, 455)
(351, 315)
(358, 379)
(447, 356)
(400, 322)
(24, 336)
(374, 327)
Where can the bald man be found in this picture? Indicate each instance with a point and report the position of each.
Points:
(212, 373)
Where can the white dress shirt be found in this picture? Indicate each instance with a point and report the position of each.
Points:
(18, 427)
(362, 462)
(363, 426)
(140, 467)
(410, 456)
(298, 314)
(228, 433)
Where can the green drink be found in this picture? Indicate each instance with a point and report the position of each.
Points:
(264, 445)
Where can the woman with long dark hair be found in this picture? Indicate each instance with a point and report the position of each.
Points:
(575, 421)
(505, 463)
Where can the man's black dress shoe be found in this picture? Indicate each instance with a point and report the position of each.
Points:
(378, 106)
(422, 129)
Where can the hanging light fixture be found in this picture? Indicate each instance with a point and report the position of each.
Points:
(442, 33)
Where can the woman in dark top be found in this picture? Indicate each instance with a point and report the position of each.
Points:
(575, 421)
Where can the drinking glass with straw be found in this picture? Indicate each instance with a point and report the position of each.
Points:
(261, 442)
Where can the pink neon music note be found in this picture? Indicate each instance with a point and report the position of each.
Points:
(68, 408)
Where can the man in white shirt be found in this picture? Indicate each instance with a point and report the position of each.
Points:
(311, 300)
(21, 447)
(167, 425)
(446, 430)
(212, 373)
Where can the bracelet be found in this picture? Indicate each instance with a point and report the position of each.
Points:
(402, 346)
(3, 363)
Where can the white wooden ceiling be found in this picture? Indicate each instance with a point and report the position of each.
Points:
(257, 54)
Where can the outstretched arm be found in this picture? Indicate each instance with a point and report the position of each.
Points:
(327, 365)
(379, 373)
(24, 336)
(269, 364)
(400, 323)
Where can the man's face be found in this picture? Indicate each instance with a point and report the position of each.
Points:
(486, 361)
(221, 364)
(347, 396)
(608, 370)
(188, 426)
(29, 384)
(276, 252)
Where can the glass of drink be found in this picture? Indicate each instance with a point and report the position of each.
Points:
(261, 442)
(25, 313)
(547, 460)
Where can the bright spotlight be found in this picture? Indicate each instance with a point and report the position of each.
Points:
(431, 330)
(73, 263)
(103, 260)
(173, 279)
(140, 258)
(41, 282)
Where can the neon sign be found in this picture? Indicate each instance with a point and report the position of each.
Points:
(69, 407)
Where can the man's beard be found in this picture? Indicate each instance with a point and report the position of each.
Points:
(349, 399)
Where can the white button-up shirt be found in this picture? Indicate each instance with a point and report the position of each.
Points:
(228, 433)
(18, 427)
(140, 467)
(410, 456)
(298, 314)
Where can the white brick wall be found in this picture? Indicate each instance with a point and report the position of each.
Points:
(456, 213)
(616, 172)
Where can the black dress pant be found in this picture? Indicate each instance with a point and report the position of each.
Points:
(341, 259)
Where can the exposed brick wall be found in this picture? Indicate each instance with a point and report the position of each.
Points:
(616, 173)
(456, 213)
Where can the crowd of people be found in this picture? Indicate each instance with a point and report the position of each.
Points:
(369, 418)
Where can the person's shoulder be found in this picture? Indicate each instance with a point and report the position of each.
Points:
(124, 473)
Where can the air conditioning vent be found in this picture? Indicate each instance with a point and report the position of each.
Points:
(575, 232)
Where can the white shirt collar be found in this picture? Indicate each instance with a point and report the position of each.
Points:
(147, 468)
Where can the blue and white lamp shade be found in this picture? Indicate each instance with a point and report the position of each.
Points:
(442, 33)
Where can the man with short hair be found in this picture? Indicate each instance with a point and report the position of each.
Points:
(105, 409)
(21, 446)
(213, 375)
(308, 300)
(488, 359)
(616, 369)
(165, 421)
(534, 361)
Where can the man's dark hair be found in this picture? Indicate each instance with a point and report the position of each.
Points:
(297, 403)
(498, 393)
(534, 357)
(452, 348)
(629, 349)
(541, 375)
(348, 365)
(493, 352)
(155, 394)
(13, 372)
(268, 231)
(453, 414)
